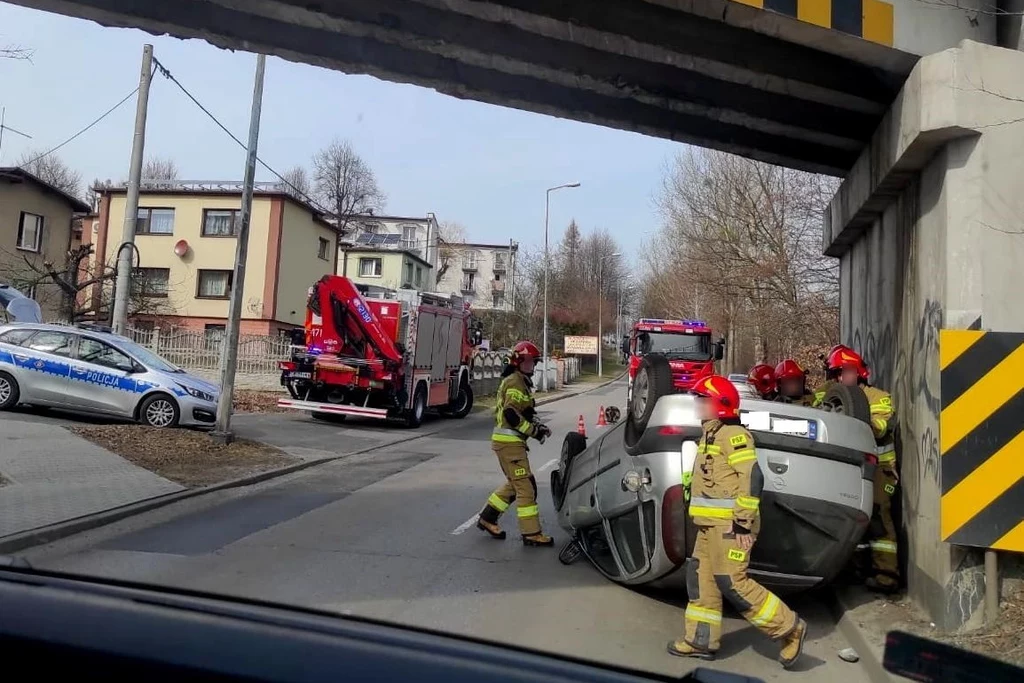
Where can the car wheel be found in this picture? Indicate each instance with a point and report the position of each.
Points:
(845, 400)
(159, 410)
(652, 381)
(414, 416)
(9, 391)
(329, 417)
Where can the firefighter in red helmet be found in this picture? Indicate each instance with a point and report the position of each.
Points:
(792, 383)
(725, 495)
(762, 378)
(515, 421)
(846, 366)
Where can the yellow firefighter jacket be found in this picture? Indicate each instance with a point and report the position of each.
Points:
(514, 411)
(807, 399)
(727, 482)
(819, 393)
(882, 424)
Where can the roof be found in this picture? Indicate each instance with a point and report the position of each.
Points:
(16, 174)
(224, 188)
(375, 217)
(477, 245)
(385, 252)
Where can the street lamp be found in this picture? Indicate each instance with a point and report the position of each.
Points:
(600, 296)
(547, 206)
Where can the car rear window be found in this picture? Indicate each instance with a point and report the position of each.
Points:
(16, 337)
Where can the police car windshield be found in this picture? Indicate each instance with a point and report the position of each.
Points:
(148, 358)
(676, 344)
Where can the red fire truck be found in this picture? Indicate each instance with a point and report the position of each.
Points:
(396, 354)
(686, 343)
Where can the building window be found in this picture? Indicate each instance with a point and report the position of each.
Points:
(151, 282)
(214, 284)
(409, 237)
(419, 276)
(469, 283)
(500, 260)
(213, 337)
(324, 249)
(408, 272)
(373, 228)
(221, 222)
(470, 260)
(155, 222)
(371, 267)
(498, 298)
(30, 232)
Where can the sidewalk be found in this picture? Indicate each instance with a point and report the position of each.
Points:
(54, 476)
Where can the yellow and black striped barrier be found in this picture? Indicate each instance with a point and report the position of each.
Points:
(981, 438)
(868, 19)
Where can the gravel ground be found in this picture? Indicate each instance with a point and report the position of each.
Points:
(258, 401)
(190, 458)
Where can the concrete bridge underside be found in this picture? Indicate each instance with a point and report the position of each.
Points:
(708, 72)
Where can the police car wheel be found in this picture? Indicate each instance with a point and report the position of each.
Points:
(9, 391)
(159, 410)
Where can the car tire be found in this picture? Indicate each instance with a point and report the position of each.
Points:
(414, 415)
(336, 418)
(653, 380)
(845, 400)
(160, 411)
(10, 392)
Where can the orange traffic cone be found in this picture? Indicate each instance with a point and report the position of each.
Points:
(581, 427)
(601, 422)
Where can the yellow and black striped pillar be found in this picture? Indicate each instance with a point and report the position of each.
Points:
(868, 19)
(981, 438)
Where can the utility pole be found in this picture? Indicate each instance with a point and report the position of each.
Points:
(122, 288)
(547, 263)
(229, 354)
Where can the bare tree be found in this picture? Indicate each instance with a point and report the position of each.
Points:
(51, 169)
(158, 168)
(741, 246)
(298, 179)
(344, 183)
(451, 237)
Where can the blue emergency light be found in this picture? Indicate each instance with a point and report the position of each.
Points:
(660, 321)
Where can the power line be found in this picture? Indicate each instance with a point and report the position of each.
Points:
(102, 116)
(165, 72)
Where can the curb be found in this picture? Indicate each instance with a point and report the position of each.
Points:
(855, 635)
(59, 530)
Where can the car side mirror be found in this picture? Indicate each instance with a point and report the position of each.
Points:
(719, 350)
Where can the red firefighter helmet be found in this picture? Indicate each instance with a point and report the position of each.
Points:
(723, 395)
(789, 369)
(522, 351)
(845, 357)
(762, 377)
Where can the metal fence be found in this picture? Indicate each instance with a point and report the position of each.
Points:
(199, 350)
(487, 367)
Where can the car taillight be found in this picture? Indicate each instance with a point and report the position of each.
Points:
(673, 523)
(285, 365)
(671, 430)
(871, 458)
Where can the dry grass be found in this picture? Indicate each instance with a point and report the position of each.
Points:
(190, 458)
(249, 401)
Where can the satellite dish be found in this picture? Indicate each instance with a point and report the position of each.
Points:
(181, 248)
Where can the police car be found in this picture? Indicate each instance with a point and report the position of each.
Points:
(88, 369)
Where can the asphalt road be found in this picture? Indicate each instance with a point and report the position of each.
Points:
(388, 534)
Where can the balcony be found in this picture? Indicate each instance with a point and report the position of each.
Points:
(499, 265)
(498, 286)
(468, 287)
(469, 266)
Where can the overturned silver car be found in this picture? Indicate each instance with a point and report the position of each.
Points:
(621, 496)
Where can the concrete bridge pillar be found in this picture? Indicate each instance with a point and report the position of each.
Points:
(929, 230)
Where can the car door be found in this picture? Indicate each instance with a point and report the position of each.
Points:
(101, 379)
(45, 361)
(622, 509)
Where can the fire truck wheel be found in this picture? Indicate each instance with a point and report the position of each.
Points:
(463, 403)
(414, 416)
(329, 417)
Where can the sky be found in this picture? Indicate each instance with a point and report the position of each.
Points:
(483, 166)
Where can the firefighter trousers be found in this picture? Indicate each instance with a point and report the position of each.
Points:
(882, 530)
(718, 569)
(520, 487)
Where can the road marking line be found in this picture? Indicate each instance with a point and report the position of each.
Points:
(465, 525)
(548, 465)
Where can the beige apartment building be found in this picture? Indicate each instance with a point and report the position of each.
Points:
(35, 228)
(481, 273)
(186, 241)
